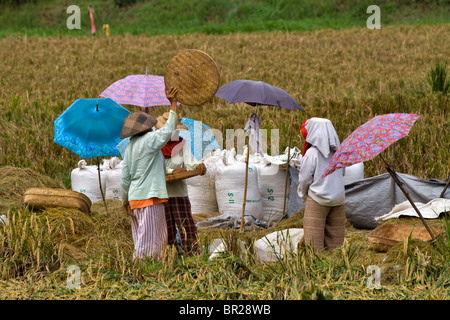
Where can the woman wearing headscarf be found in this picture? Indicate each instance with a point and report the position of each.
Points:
(178, 157)
(324, 217)
(143, 181)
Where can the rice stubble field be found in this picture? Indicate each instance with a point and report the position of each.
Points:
(347, 76)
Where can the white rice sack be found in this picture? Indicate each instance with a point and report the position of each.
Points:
(230, 183)
(278, 245)
(84, 179)
(113, 177)
(354, 173)
(271, 181)
(218, 248)
(201, 189)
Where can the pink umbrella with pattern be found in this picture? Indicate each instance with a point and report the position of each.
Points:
(369, 140)
(141, 90)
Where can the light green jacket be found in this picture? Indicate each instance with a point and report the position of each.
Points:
(143, 172)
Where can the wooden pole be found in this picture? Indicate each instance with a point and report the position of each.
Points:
(445, 188)
(100, 184)
(400, 185)
(392, 180)
(245, 188)
(287, 169)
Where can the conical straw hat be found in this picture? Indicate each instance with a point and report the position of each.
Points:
(135, 123)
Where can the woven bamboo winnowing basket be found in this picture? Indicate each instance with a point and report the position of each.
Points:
(389, 234)
(196, 76)
(200, 171)
(41, 198)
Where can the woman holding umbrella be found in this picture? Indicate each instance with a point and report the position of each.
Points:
(324, 217)
(143, 181)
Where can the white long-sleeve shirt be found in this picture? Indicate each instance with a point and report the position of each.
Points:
(328, 191)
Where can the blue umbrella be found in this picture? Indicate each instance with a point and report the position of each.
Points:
(199, 137)
(91, 127)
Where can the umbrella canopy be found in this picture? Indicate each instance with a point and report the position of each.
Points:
(139, 90)
(91, 127)
(257, 93)
(199, 137)
(370, 139)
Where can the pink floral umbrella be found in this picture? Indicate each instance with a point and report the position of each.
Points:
(141, 90)
(369, 140)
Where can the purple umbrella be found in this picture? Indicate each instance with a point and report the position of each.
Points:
(257, 93)
(369, 140)
(141, 90)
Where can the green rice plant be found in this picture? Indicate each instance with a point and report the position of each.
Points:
(442, 251)
(437, 78)
(311, 292)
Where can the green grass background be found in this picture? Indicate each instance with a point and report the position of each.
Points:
(212, 16)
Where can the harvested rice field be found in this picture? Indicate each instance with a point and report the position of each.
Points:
(347, 76)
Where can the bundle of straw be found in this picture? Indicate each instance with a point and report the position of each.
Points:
(41, 198)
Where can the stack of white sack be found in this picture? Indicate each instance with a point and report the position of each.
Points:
(201, 189)
(230, 185)
(222, 188)
(271, 182)
(295, 156)
(84, 179)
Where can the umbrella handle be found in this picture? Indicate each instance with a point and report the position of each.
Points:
(245, 189)
(396, 179)
(287, 170)
(445, 188)
(100, 185)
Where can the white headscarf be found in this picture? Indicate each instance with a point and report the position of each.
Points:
(322, 135)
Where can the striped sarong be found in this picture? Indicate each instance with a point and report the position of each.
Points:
(324, 227)
(179, 216)
(149, 230)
